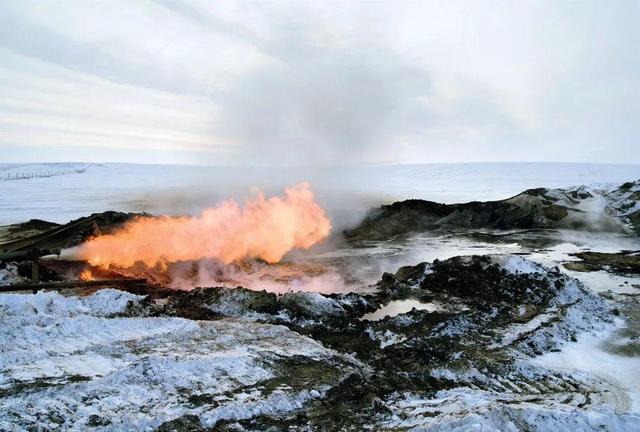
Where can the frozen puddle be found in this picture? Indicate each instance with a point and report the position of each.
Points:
(398, 307)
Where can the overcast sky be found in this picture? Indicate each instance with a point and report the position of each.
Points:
(278, 83)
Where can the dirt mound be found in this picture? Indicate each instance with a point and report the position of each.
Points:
(577, 208)
(41, 234)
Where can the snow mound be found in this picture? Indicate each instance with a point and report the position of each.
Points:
(9, 275)
(103, 303)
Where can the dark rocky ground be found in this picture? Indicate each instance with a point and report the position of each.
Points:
(579, 209)
(42, 234)
(623, 262)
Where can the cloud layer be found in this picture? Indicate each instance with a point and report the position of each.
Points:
(304, 83)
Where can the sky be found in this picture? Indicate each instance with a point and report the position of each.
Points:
(298, 83)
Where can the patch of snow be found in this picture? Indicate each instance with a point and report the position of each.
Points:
(589, 354)
(602, 281)
(466, 409)
(576, 310)
(397, 307)
(9, 275)
(517, 330)
(312, 304)
(103, 303)
(516, 264)
(385, 338)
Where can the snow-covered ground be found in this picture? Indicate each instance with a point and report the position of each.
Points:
(589, 354)
(70, 363)
(345, 192)
(477, 410)
(74, 362)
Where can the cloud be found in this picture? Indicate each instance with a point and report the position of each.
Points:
(304, 83)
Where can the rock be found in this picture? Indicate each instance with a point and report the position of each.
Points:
(43, 234)
(216, 302)
(96, 420)
(185, 423)
(310, 305)
(626, 202)
(24, 229)
(555, 212)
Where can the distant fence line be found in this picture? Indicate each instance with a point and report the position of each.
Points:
(39, 174)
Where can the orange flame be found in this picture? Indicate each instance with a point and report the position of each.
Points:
(86, 275)
(263, 228)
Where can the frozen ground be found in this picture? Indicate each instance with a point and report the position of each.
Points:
(590, 354)
(72, 363)
(93, 361)
(100, 361)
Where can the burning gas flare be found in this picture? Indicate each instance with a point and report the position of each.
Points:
(86, 275)
(265, 228)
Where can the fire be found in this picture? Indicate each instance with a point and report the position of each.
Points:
(86, 275)
(265, 228)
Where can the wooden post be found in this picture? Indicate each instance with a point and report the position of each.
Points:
(35, 268)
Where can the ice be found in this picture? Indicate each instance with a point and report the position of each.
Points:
(517, 264)
(398, 307)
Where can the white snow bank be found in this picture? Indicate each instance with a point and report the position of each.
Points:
(588, 354)
(517, 264)
(103, 303)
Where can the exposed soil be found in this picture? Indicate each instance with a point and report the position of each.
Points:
(624, 262)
